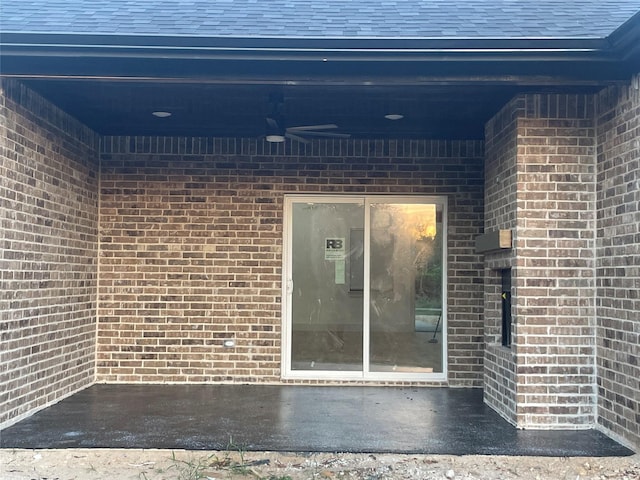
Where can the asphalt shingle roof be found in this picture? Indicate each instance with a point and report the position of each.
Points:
(321, 18)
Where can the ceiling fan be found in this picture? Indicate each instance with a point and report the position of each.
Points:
(278, 132)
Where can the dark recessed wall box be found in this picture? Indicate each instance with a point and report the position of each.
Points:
(493, 241)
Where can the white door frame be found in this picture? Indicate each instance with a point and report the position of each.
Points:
(287, 287)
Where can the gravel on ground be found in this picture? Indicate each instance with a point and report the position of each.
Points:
(120, 464)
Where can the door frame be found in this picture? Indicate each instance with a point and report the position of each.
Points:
(287, 265)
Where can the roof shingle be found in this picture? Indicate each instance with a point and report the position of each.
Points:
(321, 18)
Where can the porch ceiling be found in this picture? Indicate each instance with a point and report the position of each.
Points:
(220, 86)
(439, 97)
(239, 109)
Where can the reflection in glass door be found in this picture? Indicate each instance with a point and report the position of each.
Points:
(405, 286)
(364, 288)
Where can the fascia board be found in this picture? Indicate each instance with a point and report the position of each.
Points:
(75, 55)
(237, 48)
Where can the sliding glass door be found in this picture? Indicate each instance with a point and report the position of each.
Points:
(364, 294)
(326, 310)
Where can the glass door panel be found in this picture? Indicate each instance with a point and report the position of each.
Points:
(364, 288)
(327, 286)
(405, 307)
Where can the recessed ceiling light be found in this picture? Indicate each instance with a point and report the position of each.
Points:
(161, 114)
(394, 116)
(275, 138)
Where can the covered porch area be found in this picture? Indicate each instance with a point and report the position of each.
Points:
(145, 180)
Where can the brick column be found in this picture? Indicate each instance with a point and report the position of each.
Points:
(551, 174)
(555, 281)
(500, 214)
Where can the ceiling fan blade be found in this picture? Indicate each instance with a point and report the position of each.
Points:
(296, 138)
(272, 123)
(324, 134)
(303, 128)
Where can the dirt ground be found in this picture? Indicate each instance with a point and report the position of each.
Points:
(118, 464)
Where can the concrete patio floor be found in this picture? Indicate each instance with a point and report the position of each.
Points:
(293, 419)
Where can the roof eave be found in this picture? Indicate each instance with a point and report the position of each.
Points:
(293, 48)
(77, 55)
(626, 40)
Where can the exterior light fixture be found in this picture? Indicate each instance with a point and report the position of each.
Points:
(275, 138)
(394, 116)
(161, 114)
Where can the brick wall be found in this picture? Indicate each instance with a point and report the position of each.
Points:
(544, 186)
(618, 269)
(555, 246)
(191, 247)
(500, 213)
(48, 253)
